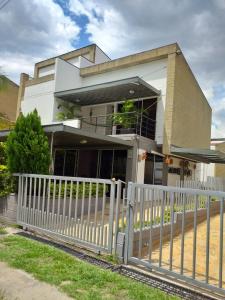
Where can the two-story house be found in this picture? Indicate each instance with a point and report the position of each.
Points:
(8, 101)
(171, 113)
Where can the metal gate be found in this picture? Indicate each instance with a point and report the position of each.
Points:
(177, 231)
(87, 211)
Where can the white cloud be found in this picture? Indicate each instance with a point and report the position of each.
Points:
(123, 27)
(31, 31)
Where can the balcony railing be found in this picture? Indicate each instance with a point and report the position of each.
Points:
(129, 123)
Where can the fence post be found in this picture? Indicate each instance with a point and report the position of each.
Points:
(118, 201)
(111, 216)
(19, 199)
(128, 249)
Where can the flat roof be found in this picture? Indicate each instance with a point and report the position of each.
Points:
(199, 155)
(127, 88)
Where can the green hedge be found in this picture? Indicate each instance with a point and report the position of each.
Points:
(6, 181)
(80, 189)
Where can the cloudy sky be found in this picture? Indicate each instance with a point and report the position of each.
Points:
(32, 30)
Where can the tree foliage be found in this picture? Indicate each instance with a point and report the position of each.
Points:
(27, 146)
(6, 180)
(69, 111)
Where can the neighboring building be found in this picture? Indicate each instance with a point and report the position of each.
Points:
(9, 100)
(174, 114)
(214, 170)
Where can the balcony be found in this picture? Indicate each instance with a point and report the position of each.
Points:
(125, 123)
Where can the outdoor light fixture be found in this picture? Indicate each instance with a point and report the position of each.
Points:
(83, 142)
(131, 92)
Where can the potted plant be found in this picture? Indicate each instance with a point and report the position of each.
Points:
(127, 118)
(70, 113)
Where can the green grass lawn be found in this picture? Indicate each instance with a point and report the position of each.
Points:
(76, 278)
(2, 231)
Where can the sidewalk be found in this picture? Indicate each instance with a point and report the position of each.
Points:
(19, 285)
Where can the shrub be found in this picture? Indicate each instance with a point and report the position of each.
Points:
(27, 146)
(6, 181)
(80, 190)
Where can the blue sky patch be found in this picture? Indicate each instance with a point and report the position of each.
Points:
(80, 20)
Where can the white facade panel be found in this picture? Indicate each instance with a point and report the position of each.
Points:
(74, 61)
(67, 76)
(100, 56)
(40, 97)
(48, 70)
(85, 62)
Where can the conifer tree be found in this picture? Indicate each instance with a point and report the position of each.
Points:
(27, 146)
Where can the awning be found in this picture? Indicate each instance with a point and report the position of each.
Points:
(129, 88)
(199, 155)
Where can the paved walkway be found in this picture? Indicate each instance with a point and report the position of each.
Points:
(19, 285)
(200, 252)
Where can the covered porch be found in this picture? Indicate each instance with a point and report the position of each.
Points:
(81, 153)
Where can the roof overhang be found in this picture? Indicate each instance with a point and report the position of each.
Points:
(199, 155)
(68, 136)
(128, 88)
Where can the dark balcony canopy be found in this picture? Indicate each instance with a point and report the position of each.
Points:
(129, 88)
(199, 155)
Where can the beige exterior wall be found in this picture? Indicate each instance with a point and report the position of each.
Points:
(8, 100)
(187, 114)
(219, 170)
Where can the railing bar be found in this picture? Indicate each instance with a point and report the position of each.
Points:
(182, 235)
(53, 204)
(64, 208)
(141, 222)
(58, 207)
(43, 203)
(123, 208)
(25, 200)
(89, 204)
(48, 203)
(207, 240)
(96, 212)
(34, 200)
(18, 214)
(161, 229)
(221, 243)
(151, 224)
(103, 213)
(118, 199)
(82, 209)
(111, 216)
(171, 228)
(29, 202)
(69, 212)
(195, 237)
(76, 205)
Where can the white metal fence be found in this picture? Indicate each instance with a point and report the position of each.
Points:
(88, 211)
(178, 231)
(212, 184)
